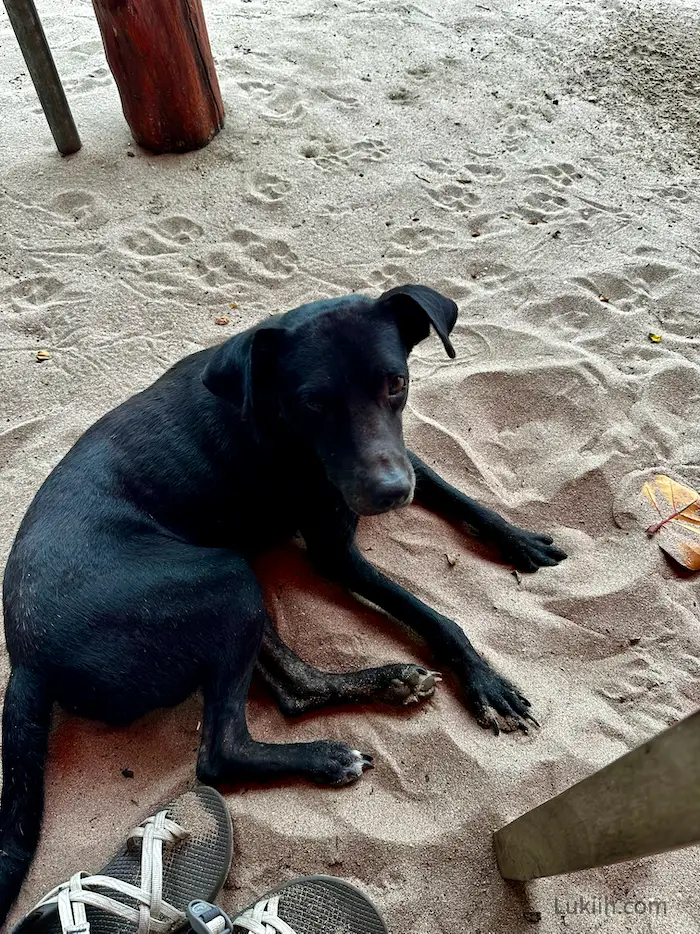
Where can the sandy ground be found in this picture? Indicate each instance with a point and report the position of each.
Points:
(526, 158)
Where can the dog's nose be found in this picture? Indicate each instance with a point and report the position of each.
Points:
(394, 489)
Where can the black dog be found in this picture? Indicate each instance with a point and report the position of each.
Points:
(128, 586)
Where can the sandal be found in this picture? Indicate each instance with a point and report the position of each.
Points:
(309, 905)
(181, 853)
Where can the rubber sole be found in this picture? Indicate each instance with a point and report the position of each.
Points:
(323, 905)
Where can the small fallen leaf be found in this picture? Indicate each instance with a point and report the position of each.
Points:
(42, 355)
(654, 338)
(223, 319)
(676, 509)
(233, 305)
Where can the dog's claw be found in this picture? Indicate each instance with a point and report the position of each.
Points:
(412, 685)
(496, 703)
(337, 764)
(528, 551)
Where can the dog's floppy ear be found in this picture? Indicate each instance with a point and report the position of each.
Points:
(242, 369)
(416, 307)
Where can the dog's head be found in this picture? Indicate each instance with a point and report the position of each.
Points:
(336, 373)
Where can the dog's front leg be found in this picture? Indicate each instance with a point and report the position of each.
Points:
(528, 551)
(495, 702)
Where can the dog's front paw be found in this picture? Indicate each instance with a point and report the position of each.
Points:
(337, 764)
(412, 685)
(527, 551)
(496, 703)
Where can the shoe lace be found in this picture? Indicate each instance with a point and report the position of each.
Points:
(263, 918)
(152, 914)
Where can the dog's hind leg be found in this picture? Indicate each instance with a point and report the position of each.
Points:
(299, 688)
(228, 753)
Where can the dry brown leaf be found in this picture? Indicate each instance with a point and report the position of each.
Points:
(676, 509)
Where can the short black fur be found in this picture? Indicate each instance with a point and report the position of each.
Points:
(129, 585)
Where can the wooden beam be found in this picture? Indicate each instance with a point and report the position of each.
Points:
(159, 54)
(646, 802)
(37, 54)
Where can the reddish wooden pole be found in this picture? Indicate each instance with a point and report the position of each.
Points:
(159, 54)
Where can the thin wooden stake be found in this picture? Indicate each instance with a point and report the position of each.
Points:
(37, 54)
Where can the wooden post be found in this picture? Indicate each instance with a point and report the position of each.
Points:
(37, 54)
(646, 802)
(159, 54)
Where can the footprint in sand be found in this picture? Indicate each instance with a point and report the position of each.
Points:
(257, 89)
(329, 156)
(453, 196)
(218, 268)
(420, 72)
(456, 187)
(284, 109)
(264, 257)
(542, 206)
(86, 49)
(76, 205)
(269, 188)
(148, 243)
(563, 173)
(179, 229)
(385, 278)
(365, 150)
(418, 239)
(97, 77)
(34, 292)
(484, 171)
(164, 237)
(402, 95)
(547, 202)
(341, 94)
(674, 194)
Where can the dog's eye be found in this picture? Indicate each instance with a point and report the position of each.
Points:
(397, 384)
(314, 405)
